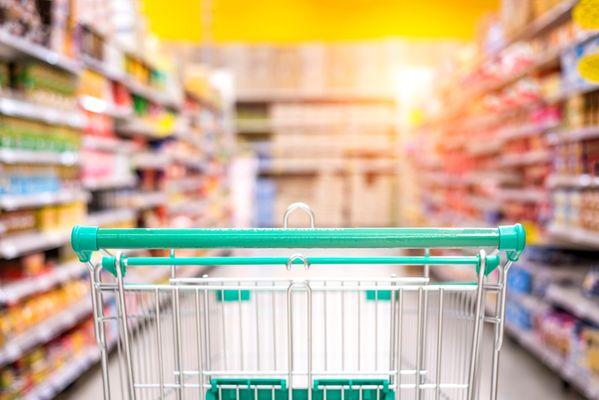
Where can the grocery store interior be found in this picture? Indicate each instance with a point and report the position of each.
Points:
(222, 114)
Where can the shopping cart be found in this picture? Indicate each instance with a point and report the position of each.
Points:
(309, 338)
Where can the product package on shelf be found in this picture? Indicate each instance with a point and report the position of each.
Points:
(548, 305)
(266, 192)
(43, 23)
(92, 132)
(28, 374)
(570, 59)
(312, 70)
(371, 199)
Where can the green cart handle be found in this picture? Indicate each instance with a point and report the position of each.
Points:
(87, 239)
(110, 263)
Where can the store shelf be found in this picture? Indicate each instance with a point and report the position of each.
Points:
(580, 181)
(108, 144)
(571, 299)
(523, 195)
(109, 183)
(102, 69)
(485, 203)
(562, 272)
(99, 106)
(530, 302)
(210, 124)
(281, 166)
(15, 47)
(526, 130)
(77, 366)
(445, 179)
(150, 93)
(64, 376)
(322, 95)
(330, 122)
(55, 325)
(17, 244)
(191, 138)
(582, 379)
(18, 156)
(26, 109)
(185, 184)
(15, 202)
(253, 126)
(134, 126)
(557, 15)
(144, 200)
(11, 293)
(484, 147)
(524, 159)
(505, 177)
(188, 207)
(547, 60)
(190, 162)
(574, 236)
(111, 217)
(577, 90)
(543, 62)
(150, 160)
(573, 135)
(47, 329)
(14, 245)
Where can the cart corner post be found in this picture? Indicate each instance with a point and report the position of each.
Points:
(84, 241)
(512, 239)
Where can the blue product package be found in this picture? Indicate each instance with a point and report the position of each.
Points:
(265, 202)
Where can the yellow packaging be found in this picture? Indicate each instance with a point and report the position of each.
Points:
(47, 218)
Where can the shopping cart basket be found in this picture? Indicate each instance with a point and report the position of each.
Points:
(310, 338)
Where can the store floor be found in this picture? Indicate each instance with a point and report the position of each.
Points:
(521, 375)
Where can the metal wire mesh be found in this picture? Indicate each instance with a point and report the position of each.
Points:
(188, 336)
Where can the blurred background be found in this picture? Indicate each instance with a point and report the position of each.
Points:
(219, 113)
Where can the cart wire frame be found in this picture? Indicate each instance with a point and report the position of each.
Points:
(251, 338)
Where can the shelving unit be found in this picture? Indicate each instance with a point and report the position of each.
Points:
(123, 131)
(18, 48)
(16, 156)
(498, 151)
(15, 245)
(296, 140)
(15, 202)
(112, 183)
(46, 330)
(26, 109)
(571, 299)
(64, 376)
(569, 372)
(14, 292)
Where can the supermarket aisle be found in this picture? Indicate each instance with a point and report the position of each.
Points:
(522, 375)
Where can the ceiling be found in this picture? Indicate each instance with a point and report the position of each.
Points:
(293, 21)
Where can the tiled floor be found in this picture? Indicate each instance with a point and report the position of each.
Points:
(521, 375)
